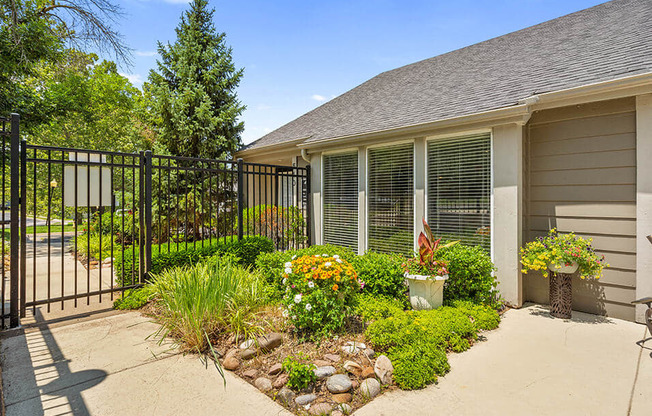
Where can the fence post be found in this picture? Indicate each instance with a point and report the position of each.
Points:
(148, 211)
(14, 272)
(240, 198)
(23, 225)
(308, 207)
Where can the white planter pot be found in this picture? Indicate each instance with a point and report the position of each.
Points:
(563, 269)
(426, 292)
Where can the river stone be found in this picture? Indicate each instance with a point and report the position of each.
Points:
(342, 397)
(248, 354)
(321, 409)
(384, 369)
(345, 408)
(323, 372)
(332, 357)
(370, 388)
(353, 368)
(353, 347)
(338, 383)
(275, 369)
(263, 384)
(231, 362)
(321, 363)
(368, 372)
(251, 373)
(270, 341)
(280, 381)
(304, 399)
(247, 344)
(337, 413)
(369, 353)
(286, 396)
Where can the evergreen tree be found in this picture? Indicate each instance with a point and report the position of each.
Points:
(193, 92)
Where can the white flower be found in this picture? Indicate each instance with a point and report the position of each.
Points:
(316, 255)
(311, 284)
(285, 313)
(288, 264)
(294, 257)
(308, 306)
(327, 264)
(336, 256)
(288, 270)
(324, 255)
(297, 298)
(285, 280)
(294, 317)
(338, 260)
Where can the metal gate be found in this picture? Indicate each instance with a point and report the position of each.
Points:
(87, 223)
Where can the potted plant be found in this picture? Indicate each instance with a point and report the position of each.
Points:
(425, 274)
(562, 255)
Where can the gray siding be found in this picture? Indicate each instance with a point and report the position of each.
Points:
(582, 178)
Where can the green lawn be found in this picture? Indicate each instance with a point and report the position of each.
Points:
(54, 228)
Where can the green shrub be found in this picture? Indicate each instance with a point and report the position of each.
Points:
(284, 225)
(382, 274)
(133, 299)
(166, 256)
(300, 373)
(371, 308)
(271, 264)
(470, 275)
(88, 245)
(411, 337)
(418, 365)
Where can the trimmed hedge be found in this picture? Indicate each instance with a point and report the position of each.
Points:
(382, 274)
(164, 257)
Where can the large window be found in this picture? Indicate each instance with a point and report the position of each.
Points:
(391, 199)
(459, 189)
(340, 223)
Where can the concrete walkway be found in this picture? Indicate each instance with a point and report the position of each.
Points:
(107, 366)
(532, 364)
(536, 365)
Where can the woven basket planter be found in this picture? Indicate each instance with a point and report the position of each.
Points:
(561, 290)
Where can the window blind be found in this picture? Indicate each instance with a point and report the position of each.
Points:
(390, 227)
(340, 210)
(459, 189)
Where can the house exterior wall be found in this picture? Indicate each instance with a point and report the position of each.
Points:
(582, 178)
(643, 200)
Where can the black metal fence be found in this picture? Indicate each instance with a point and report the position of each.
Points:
(85, 224)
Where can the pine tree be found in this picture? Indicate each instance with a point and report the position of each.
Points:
(193, 92)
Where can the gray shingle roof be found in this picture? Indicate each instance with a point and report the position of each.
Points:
(608, 41)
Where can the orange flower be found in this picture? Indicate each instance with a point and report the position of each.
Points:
(335, 287)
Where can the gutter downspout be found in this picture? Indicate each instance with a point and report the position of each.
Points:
(305, 156)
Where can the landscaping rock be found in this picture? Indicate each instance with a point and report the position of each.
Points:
(332, 357)
(354, 384)
(323, 372)
(275, 369)
(231, 362)
(353, 368)
(321, 409)
(337, 413)
(280, 381)
(338, 383)
(384, 369)
(368, 372)
(345, 408)
(286, 396)
(321, 363)
(248, 354)
(369, 353)
(370, 388)
(342, 397)
(251, 373)
(270, 341)
(305, 399)
(247, 344)
(353, 347)
(263, 384)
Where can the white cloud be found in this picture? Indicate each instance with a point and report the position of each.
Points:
(135, 79)
(318, 97)
(146, 53)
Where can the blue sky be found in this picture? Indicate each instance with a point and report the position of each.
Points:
(299, 54)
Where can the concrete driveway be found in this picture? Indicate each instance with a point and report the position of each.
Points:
(532, 364)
